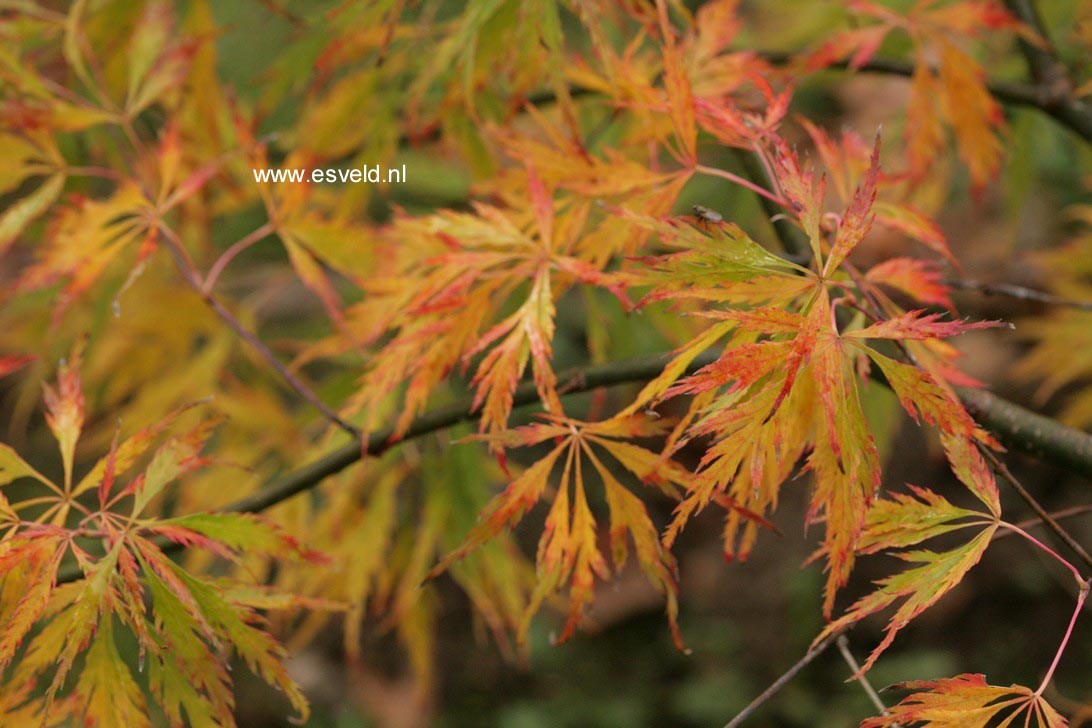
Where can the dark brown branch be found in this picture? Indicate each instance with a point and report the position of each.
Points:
(1010, 92)
(1018, 428)
(1018, 292)
(1072, 113)
(1028, 432)
(1050, 75)
(573, 381)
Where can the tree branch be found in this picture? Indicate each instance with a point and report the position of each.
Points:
(1056, 515)
(1018, 292)
(1051, 77)
(1028, 432)
(1052, 100)
(1014, 426)
(573, 381)
(1074, 114)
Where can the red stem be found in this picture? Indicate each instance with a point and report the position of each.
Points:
(1065, 640)
(230, 253)
(1073, 569)
(742, 182)
(1081, 596)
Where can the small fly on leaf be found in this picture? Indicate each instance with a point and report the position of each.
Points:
(706, 215)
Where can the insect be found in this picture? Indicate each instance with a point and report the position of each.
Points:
(706, 215)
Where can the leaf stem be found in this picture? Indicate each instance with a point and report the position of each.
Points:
(1073, 569)
(1065, 640)
(793, 240)
(1001, 469)
(230, 253)
(742, 182)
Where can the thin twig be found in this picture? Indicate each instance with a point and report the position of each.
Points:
(843, 647)
(1012, 92)
(1056, 515)
(1072, 113)
(1000, 468)
(784, 679)
(189, 272)
(1018, 292)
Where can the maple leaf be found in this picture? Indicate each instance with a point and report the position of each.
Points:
(786, 381)
(159, 57)
(191, 622)
(452, 274)
(919, 279)
(568, 550)
(955, 92)
(847, 161)
(65, 410)
(1059, 354)
(88, 235)
(967, 701)
(907, 520)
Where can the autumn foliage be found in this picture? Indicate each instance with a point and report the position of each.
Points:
(203, 508)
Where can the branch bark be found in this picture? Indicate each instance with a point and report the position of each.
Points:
(1051, 76)
(573, 381)
(1054, 99)
(1028, 432)
(1016, 427)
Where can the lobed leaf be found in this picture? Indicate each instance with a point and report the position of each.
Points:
(967, 701)
(918, 587)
